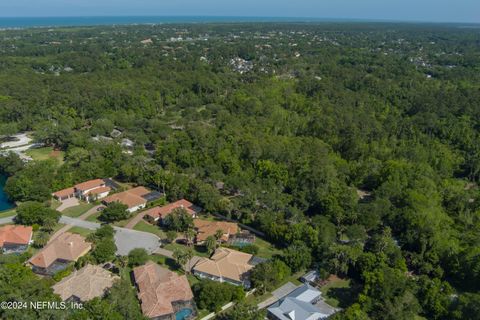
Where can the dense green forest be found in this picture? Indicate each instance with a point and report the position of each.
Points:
(354, 147)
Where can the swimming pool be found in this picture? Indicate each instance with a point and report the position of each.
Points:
(183, 314)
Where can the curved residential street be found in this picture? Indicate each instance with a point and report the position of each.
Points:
(125, 239)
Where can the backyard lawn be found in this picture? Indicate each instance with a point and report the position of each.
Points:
(197, 250)
(77, 211)
(147, 227)
(337, 291)
(266, 249)
(45, 154)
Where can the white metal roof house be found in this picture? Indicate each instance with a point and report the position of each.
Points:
(300, 304)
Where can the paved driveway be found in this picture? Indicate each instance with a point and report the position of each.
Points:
(6, 220)
(68, 203)
(133, 222)
(21, 139)
(125, 239)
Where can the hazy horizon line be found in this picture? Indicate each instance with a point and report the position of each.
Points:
(291, 18)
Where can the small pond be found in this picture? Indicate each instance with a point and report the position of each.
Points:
(5, 204)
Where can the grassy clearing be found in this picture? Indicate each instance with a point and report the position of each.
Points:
(266, 249)
(77, 211)
(45, 154)
(336, 291)
(81, 231)
(147, 227)
(8, 213)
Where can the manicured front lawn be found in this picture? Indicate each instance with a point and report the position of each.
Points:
(94, 217)
(147, 227)
(81, 231)
(77, 211)
(45, 154)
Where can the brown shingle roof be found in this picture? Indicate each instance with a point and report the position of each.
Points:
(139, 191)
(158, 288)
(99, 190)
(131, 198)
(15, 234)
(67, 246)
(87, 283)
(162, 212)
(207, 228)
(64, 192)
(226, 263)
(90, 184)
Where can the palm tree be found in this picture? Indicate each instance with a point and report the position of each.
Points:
(218, 235)
(41, 239)
(189, 235)
(49, 225)
(182, 257)
(210, 244)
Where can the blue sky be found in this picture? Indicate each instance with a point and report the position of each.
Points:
(408, 10)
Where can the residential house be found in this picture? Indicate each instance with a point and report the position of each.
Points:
(135, 199)
(85, 284)
(91, 190)
(157, 214)
(59, 253)
(15, 238)
(226, 265)
(205, 229)
(162, 292)
(64, 194)
(303, 303)
(310, 277)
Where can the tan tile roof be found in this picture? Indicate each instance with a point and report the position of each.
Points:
(64, 192)
(90, 184)
(130, 198)
(67, 246)
(15, 234)
(139, 191)
(226, 263)
(158, 288)
(162, 212)
(100, 190)
(207, 228)
(87, 283)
